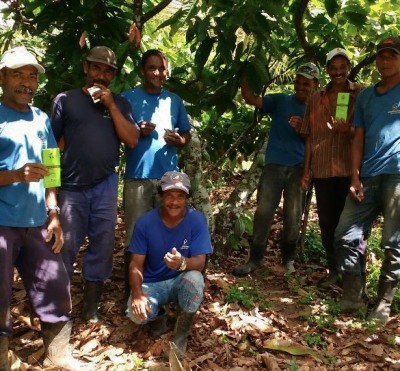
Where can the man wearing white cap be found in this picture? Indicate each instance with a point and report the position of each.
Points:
(327, 126)
(31, 236)
(168, 254)
(283, 168)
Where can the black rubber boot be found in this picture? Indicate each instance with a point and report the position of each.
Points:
(4, 366)
(353, 290)
(181, 331)
(159, 326)
(330, 279)
(255, 261)
(56, 346)
(386, 292)
(91, 300)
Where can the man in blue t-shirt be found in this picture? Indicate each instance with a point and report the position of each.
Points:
(30, 237)
(168, 254)
(283, 168)
(91, 121)
(164, 127)
(375, 186)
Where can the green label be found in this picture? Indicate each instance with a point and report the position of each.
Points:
(51, 157)
(341, 112)
(52, 180)
(343, 99)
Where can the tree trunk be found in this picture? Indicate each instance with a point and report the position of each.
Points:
(192, 160)
(237, 201)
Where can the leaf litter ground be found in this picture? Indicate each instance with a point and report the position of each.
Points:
(266, 321)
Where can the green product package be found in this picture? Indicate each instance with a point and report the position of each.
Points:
(341, 112)
(52, 160)
(343, 99)
(342, 106)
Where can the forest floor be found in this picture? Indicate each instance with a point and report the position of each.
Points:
(268, 320)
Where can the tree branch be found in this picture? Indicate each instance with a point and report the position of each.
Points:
(356, 69)
(157, 9)
(301, 33)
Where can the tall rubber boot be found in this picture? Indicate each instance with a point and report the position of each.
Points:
(159, 326)
(56, 346)
(386, 292)
(181, 331)
(4, 366)
(353, 290)
(127, 287)
(91, 300)
(255, 261)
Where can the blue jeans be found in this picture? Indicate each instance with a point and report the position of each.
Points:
(186, 289)
(381, 195)
(93, 213)
(275, 180)
(140, 196)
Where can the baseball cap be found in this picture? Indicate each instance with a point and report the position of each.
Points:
(392, 43)
(308, 70)
(102, 54)
(19, 57)
(335, 52)
(175, 180)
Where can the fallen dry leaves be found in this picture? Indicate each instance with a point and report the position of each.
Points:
(225, 336)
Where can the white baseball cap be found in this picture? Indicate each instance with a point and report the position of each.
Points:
(335, 52)
(19, 57)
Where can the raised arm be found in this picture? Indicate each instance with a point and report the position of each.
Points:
(249, 96)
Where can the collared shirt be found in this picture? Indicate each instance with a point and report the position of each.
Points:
(330, 150)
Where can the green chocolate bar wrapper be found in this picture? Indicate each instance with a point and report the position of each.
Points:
(343, 99)
(53, 179)
(341, 112)
(51, 157)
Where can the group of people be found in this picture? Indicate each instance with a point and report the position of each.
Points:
(342, 138)
(345, 139)
(42, 230)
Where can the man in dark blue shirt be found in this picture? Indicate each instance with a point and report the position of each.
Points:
(92, 122)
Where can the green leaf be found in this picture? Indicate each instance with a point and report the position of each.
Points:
(203, 52)
(175, 18)
(234, 240)
(355, 18)
(331, 6)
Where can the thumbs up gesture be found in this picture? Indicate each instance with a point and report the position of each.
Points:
(173, 259)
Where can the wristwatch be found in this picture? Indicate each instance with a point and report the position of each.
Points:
(53, 207)
(183, 265)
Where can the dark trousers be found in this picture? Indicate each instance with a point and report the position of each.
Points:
(331, 196)
(42, 271)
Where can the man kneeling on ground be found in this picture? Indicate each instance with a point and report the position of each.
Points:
(169, 247)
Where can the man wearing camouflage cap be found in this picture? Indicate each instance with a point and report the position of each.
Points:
(283, 168)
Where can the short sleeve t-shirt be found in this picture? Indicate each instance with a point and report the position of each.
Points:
(379, 116)
(91, 150)
(152, 156)
(285, 146)
(151, 237)
(23, 136)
